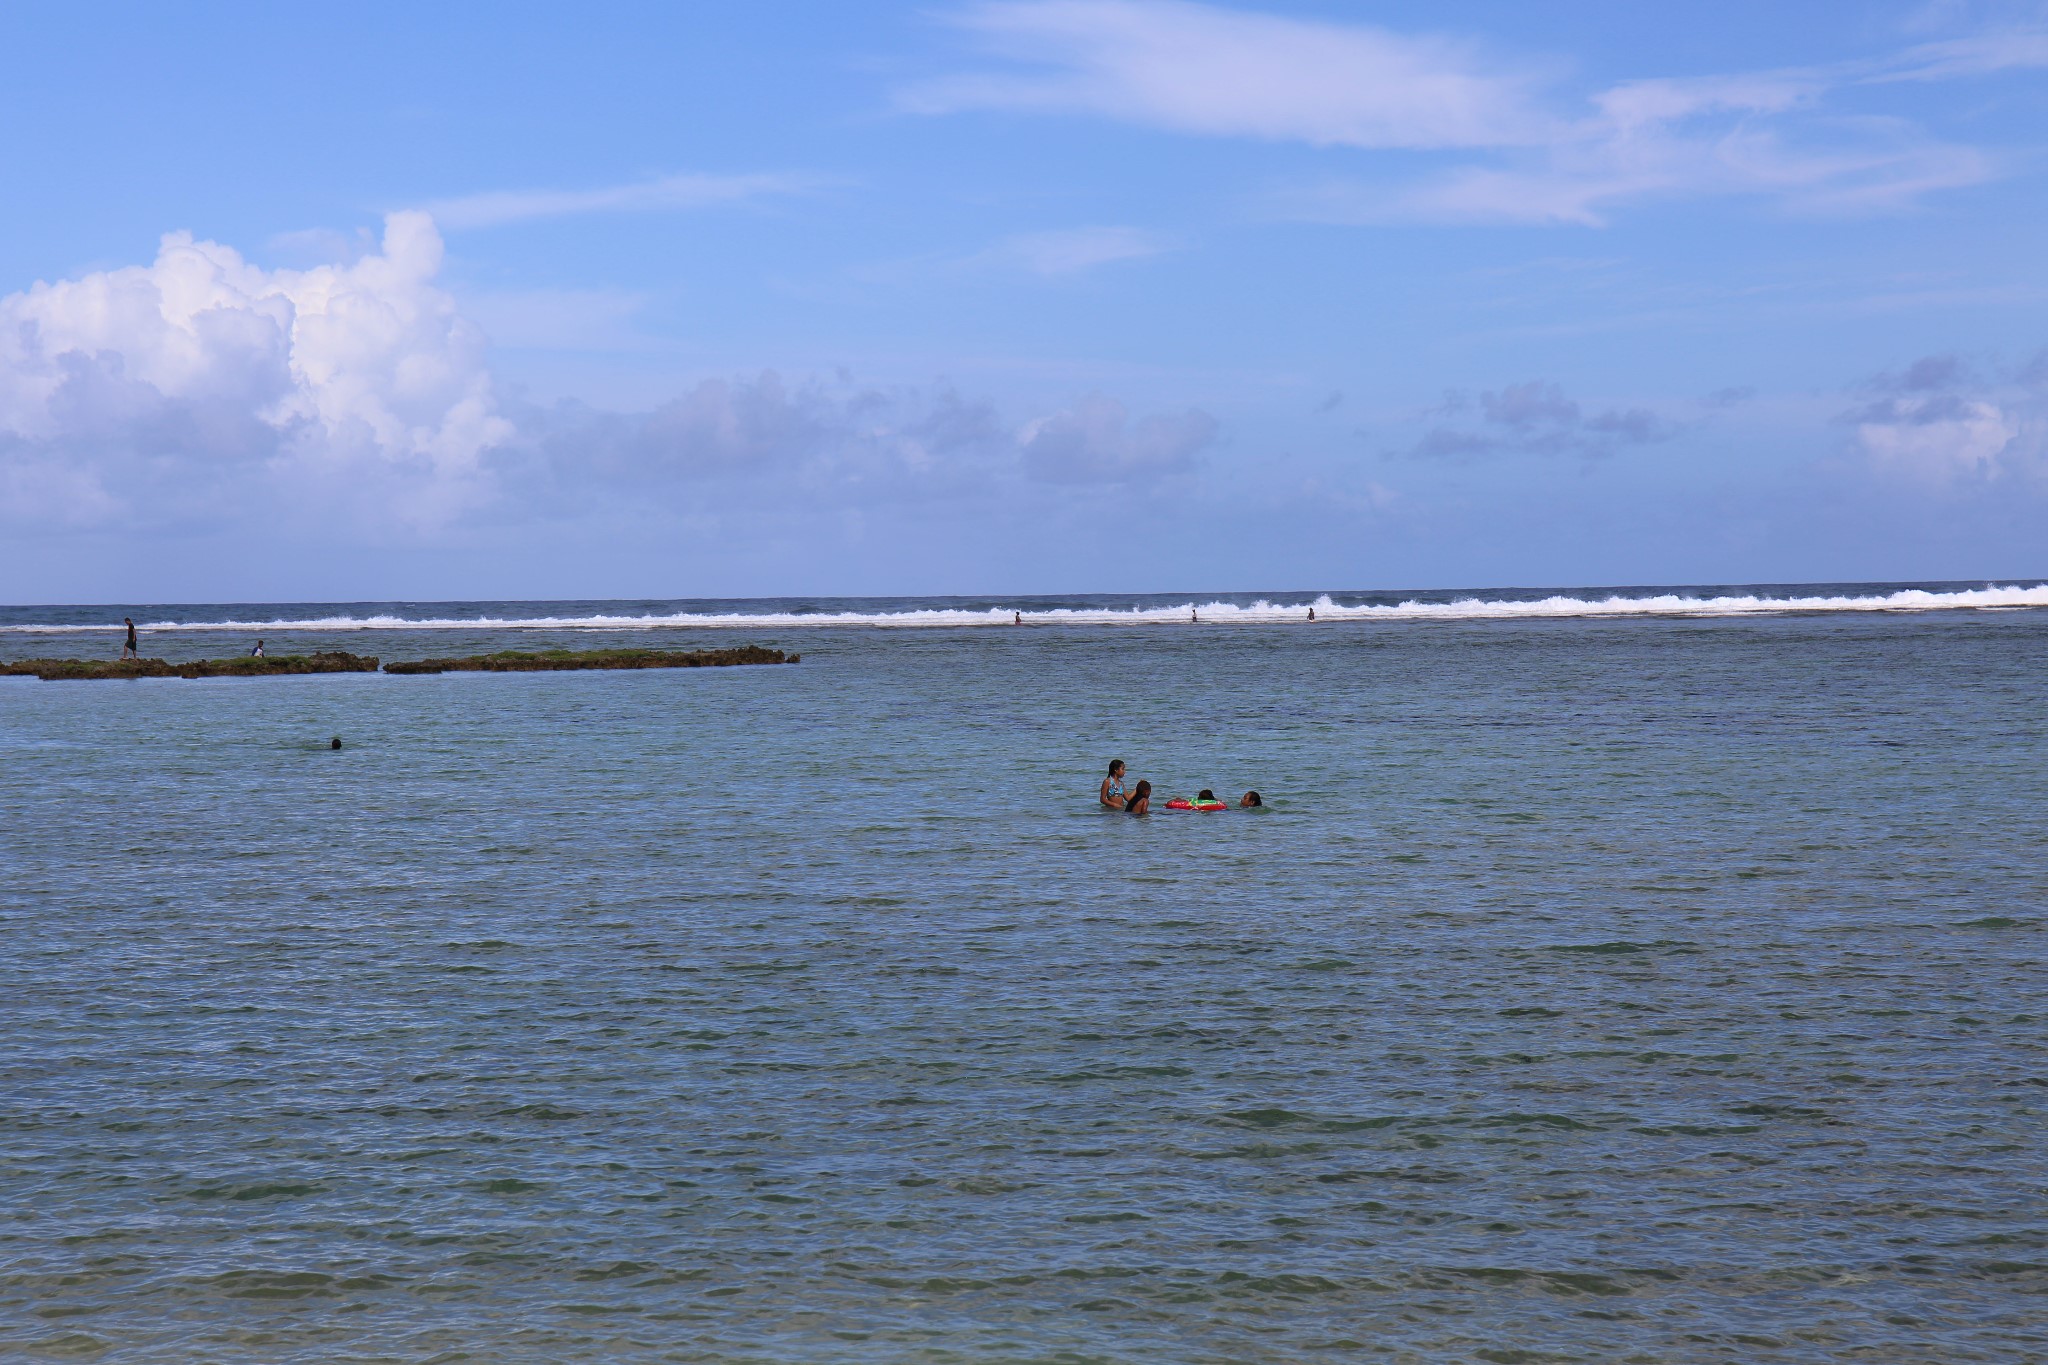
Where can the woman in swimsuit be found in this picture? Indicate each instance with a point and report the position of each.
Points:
(1112, 794)
(1141, 800)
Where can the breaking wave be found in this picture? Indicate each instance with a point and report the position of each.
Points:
(1259, 612)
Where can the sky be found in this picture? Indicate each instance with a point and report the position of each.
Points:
(1018, 296)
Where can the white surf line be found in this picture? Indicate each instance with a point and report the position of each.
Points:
(1205, 613)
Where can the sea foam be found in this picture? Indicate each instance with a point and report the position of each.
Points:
(1221, 613)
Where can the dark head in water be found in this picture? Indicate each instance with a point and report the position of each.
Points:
(1205, 795)
(1251, 799)
(334, 743)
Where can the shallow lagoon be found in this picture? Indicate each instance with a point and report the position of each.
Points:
(1660, 990)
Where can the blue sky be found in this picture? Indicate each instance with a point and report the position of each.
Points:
(1045, 295)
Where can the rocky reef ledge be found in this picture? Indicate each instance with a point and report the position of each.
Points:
(557, 660)
(507, 661)
(63, 670)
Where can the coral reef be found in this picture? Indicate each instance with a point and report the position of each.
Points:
(66, 670)
(555, 660)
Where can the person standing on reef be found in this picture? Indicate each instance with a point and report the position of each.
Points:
(257, 653)
(1112, 794)
(128, 650)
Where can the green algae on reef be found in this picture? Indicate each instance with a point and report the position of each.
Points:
(555, 660)
(64, 670)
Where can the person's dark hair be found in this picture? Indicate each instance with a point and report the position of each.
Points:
(1252, 799)
(1140, 792)
(1114, 764)
(1205, 795)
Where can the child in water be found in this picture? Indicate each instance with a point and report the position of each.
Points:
(1112, 795)
(1141, 800)
(1251, 799)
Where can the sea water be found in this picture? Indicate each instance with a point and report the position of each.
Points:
(1618, 984)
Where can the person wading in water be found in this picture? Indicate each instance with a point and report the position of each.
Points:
(1112, 793)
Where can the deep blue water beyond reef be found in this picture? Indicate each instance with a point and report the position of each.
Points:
(1656, 988)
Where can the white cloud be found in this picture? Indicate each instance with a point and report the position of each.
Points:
(1202, 69)
(1096, 442)
(1205, 69)
(1936, 424)
(1072, 250)
(136, 392)
(202, 391)
(664, 192)
(1978, 55)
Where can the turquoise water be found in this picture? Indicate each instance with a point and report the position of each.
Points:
(1643, 989)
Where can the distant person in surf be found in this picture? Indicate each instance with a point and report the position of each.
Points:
(257, 653)
(1311, 613)
(1016, 618)
(128, 650)
(1112, 796)
(1141, 800)
(1251, 801)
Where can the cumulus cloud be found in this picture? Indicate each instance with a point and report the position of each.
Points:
(1938, 423)
(135, 394)
(1095, 441)
(1537, 418)
(204, 391)
(1520, 153)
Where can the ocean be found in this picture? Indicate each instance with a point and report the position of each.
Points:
(1646, 975)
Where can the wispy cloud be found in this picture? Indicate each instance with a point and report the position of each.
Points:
(1518, 150)
(1201, 69)
(1979, 55)
(668, 192)
(1068, 251)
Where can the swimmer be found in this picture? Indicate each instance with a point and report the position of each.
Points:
(334, 743)
(1193, 619)
(1141, 800)
(1205, 795)
(1251, 799)
(1311, 613)
(1112, 794)
(1017, 618)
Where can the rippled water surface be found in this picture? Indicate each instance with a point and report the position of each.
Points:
(1593, 990)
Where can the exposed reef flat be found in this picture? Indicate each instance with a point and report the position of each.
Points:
(64, 670)
(506, 661)
(556, 660)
